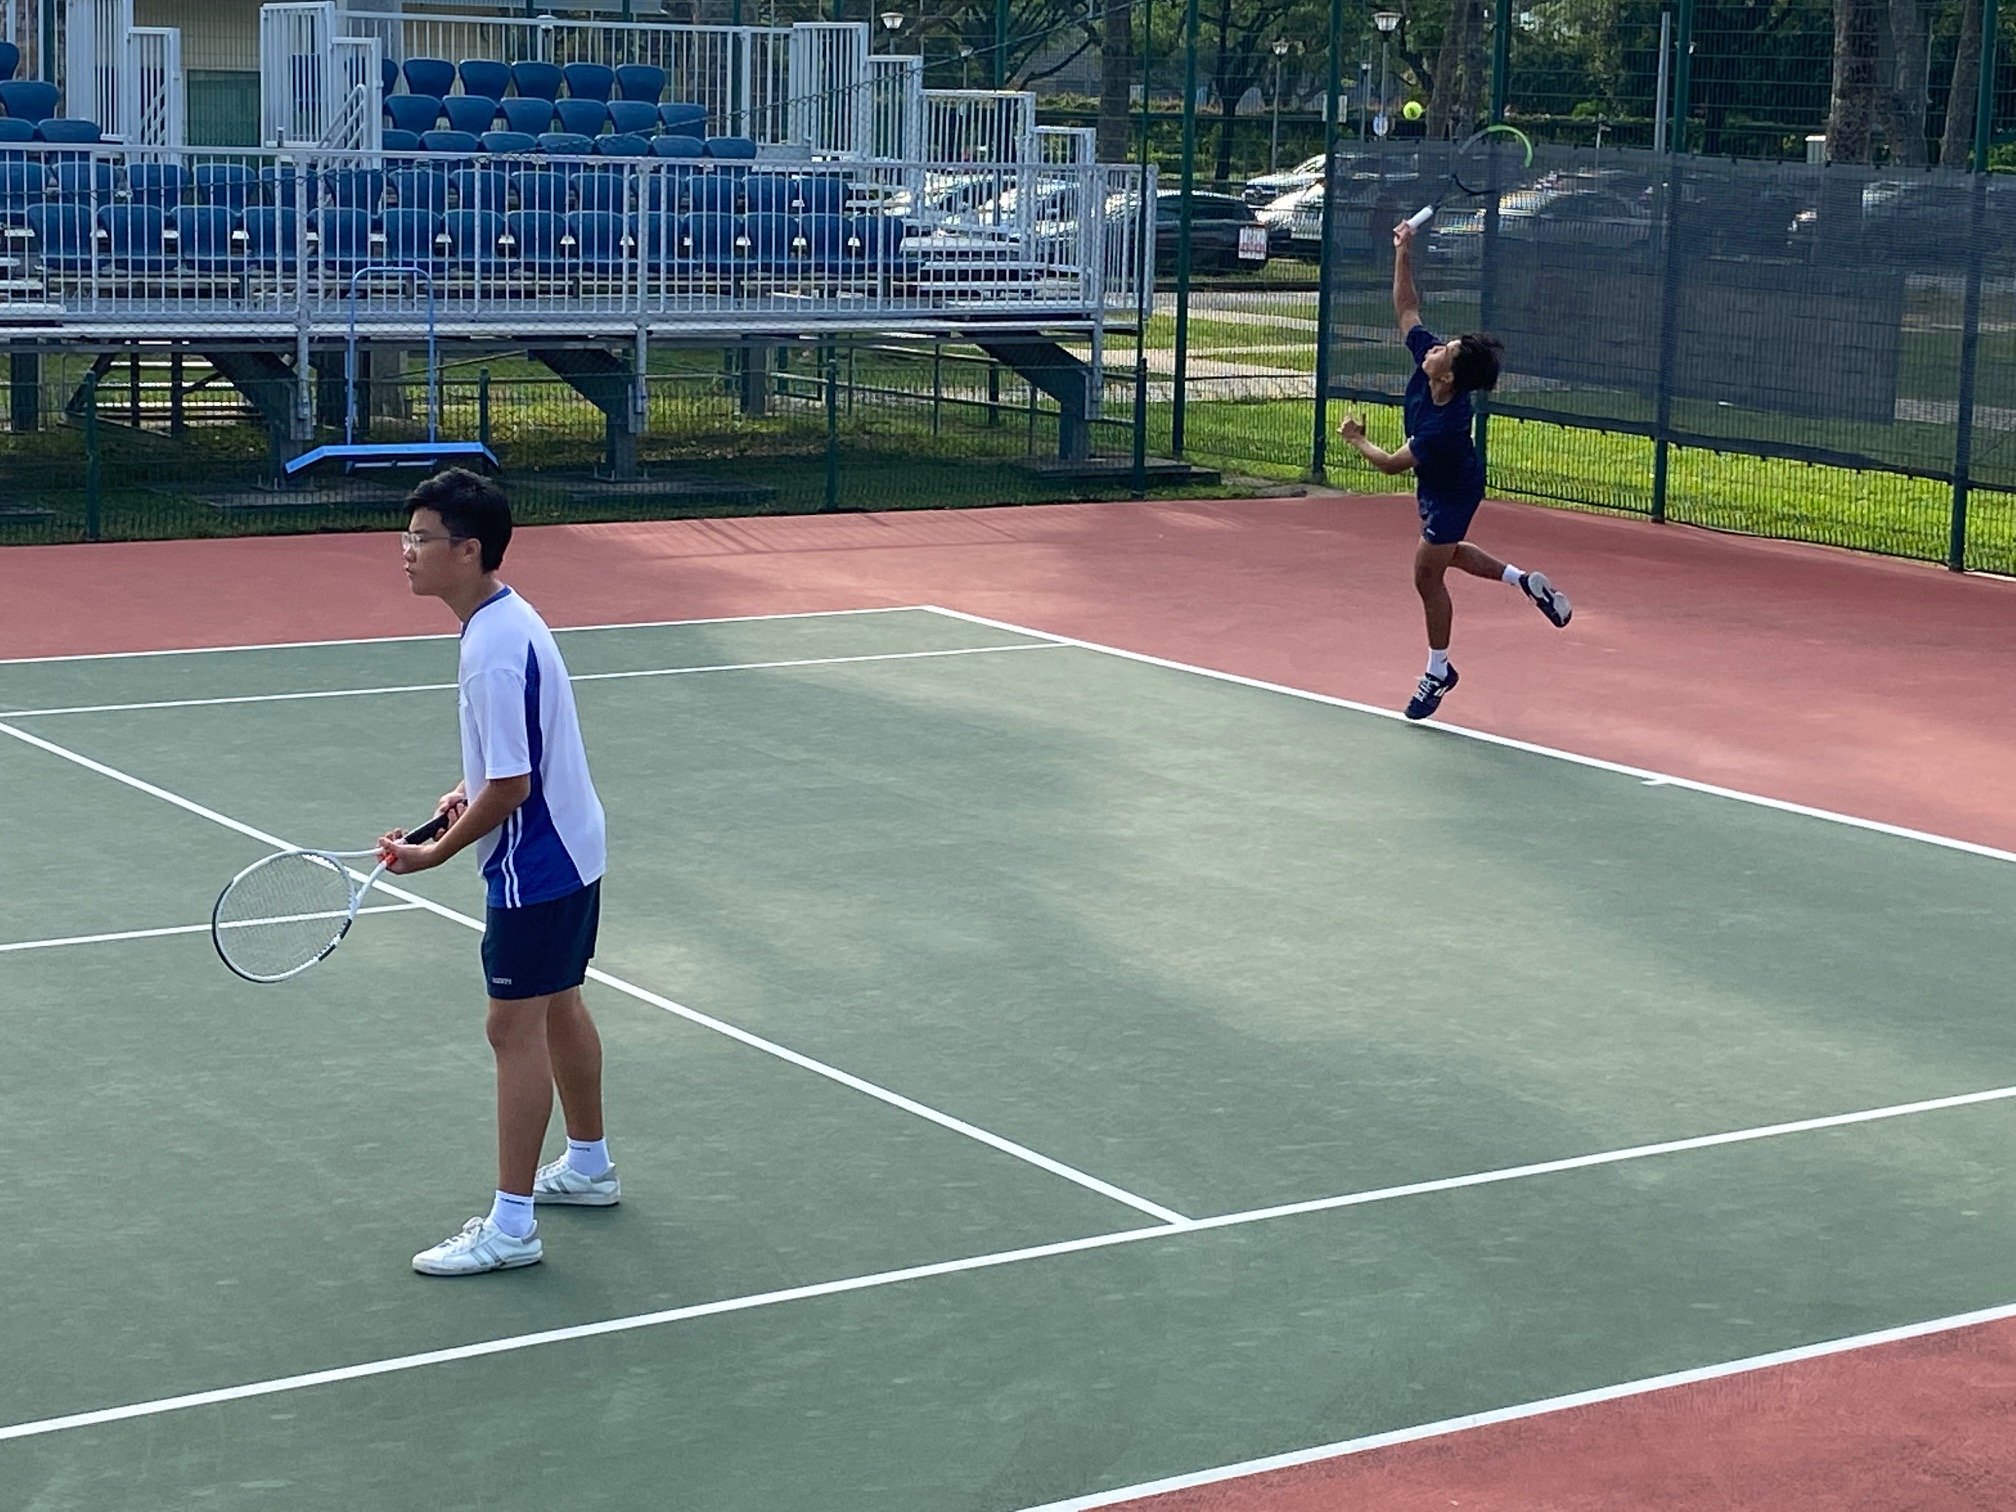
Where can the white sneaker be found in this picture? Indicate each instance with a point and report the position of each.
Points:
(479, 1246)
(559, 1183)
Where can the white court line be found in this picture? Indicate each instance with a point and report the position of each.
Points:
(756, 1042)
(1531, 1409)
(1597, 763)
(381, 640)
(186, 929)
(580, 677)
(513, 1343)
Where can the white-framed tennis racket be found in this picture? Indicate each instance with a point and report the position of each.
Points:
(287, 911)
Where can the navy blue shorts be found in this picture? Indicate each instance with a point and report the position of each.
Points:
(541, 948)
(1446, 524)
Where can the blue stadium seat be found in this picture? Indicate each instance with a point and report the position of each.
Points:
(471, 113)
(582, 117)
(413, 237)
(770, 238)
(820, 194)
(684, 117)
(767, 192)
(135, 239)
(29, 99)
(825, 242)
(230, 185)
(473, 236)
(537, 237)
(666, 191)
(590, 81)
(419, 189)
(69, 130)
(12, 130)
(671, 146)
(565, 144)
(716, 242)
(344, 239)
(663, 231)
(640, 81)
(391, 139)
(449, 141)
(536, 80)
(540, 190)
(485, 76)
(388, 76)
(86, 180)
(598, 237)
(531, 115)
(481, 189)
(622, 145)
(355, 188)
(731, 149)
(413, 112)
(430, 76)
(874, 240)
(206, 238)
(272, 238)
(21, 184)
(719, 193)
(633, 117)
(159, 184)
(288, 186)
(601, 189)
(508, 143)
(10, 60)
(66, 236)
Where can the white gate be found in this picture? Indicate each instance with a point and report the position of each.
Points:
(980, 126)
(899, 107)
(832, 106)
(94, 47)
(153, 108)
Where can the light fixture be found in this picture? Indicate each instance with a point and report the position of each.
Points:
(1387, 21)
(893, 20)
(1280, 47)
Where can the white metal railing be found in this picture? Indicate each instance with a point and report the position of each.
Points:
(94, 48)
(832, 105)
(296, 45)
(1066, 145)
(979, 126)
(115, 239)
(358, 120)
(153, 106)
(898, 92)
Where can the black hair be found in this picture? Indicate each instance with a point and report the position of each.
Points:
(1477, 362)
(471, 507)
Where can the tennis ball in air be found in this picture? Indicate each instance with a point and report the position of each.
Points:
(1411, 110)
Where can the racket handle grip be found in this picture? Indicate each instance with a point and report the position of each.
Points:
(1421, 217)
(433, 829)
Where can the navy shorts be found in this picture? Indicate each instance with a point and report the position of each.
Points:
(1446, 524)
(541, 948)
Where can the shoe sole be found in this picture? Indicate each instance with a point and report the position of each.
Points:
(1559, 599)
(518, 1264)
(573, 1199)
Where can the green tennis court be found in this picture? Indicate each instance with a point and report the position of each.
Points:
(1035, 1070)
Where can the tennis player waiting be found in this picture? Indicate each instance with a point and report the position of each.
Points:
(526, 803)
(1448, 474)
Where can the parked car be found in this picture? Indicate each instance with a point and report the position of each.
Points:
(1566, 215)
(1271, 186)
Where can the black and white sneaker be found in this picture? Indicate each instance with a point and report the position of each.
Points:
(1428, 697)
(1546, 597)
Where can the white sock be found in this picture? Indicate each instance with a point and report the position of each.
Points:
(588, 1157)
(1512, 575)
(512, 1214)
(1438, 663)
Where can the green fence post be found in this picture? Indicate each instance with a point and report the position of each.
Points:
(93, 479)
(1180, 366)
(832, 428)
(483, 405)
(1501, 59)
(1970, 317)
(1326, 263)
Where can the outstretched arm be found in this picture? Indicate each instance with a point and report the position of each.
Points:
(1406, 298)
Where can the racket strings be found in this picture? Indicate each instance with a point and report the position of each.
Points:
(283, 913)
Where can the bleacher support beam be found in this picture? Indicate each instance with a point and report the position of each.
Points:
(24, 392)
(607, 381)
(1063, 377)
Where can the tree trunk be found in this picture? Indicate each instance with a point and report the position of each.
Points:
(1961, 99)
(1904, 102)
(1229, 90)
(1850, 111)
(1476, 71)
(1116, 77)
(1448, 69)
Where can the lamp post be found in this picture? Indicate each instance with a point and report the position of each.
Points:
(965, 68)
(1274, 141)
(1364, 99)
(892, 23)
(1388, 23)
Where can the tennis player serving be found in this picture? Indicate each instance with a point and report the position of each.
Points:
(1448, 474)
(526, 803)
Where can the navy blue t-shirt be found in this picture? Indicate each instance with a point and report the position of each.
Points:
(1447, 473)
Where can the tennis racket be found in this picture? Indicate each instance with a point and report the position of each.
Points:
(1488, 163)
(287, 911)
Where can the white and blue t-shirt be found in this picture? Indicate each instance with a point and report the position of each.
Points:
(518, 718)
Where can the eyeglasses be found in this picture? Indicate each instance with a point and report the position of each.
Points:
(412, 540)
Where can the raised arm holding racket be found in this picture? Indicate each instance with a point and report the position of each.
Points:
(1448, 474)
(1485, 165)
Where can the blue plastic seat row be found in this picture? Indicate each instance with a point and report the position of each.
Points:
(477, 113)
(132, 241)
(571, 144)
(532, 79)
(63, 130)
